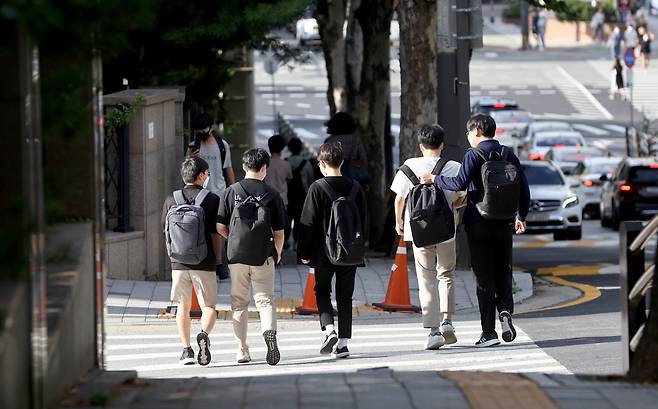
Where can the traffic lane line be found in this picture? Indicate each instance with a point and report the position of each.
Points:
(588, 293)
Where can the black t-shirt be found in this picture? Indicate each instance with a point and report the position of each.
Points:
(315, 216)
(210, 205)
(259, 190)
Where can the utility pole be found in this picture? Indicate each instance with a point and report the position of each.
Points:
(459, 31)
(525, 42)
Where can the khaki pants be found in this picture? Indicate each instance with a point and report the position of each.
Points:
(435, 269)
(261, 280)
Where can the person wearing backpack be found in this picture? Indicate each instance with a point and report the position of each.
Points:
(252, 218)
(188, 218)
(333, 228)
(498, 203)
(302, 177)
(217, 153)
(429, 222)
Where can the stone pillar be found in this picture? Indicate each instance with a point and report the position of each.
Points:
(154, 156)
(240, 126)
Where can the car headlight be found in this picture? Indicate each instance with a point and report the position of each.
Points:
(570, 201)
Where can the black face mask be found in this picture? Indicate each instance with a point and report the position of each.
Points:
(202, 136)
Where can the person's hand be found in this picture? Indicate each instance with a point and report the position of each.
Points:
(191, 152)
(304, 261)
(426, 178)
(399, 227)
(519, 227)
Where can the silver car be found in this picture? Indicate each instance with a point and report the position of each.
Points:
(587, 181)
(542, 126)
(554, 207)
(544, 141)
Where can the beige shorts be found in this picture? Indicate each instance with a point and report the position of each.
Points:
(204, 283)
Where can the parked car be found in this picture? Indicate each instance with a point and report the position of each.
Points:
(486, 105)
(554, 207)
(534, 128)
(544, 141)
(587, 181)
(630, 193)
(307, 31)
(568, 157)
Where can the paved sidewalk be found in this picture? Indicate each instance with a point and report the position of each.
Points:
(142, 301)
(377, 388)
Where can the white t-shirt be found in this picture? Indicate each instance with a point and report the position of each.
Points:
(401, 185)
(210, 153)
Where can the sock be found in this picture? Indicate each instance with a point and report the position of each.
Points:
(434, 330)
(328, 329)
(342, 342)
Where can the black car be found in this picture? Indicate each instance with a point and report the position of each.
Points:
(631, 193)
(485, 105)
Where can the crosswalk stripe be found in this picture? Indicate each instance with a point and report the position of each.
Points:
(576, 93)
(303, 105)
(591, 129)
(306, 134)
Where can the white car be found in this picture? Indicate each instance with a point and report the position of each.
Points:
(307, 31)
(554, 207)
(542, 126)
(543, 141)
(587, 181)
(568, 157)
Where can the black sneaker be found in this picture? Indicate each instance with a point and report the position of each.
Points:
(341, 353)
(273, 355)
(203, 357)
(509, 333)
(188, 356)
(487, 340)
(222, 272)
(328, 344)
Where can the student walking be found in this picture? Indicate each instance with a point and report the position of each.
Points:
(434, 256)
(302, 177)
(279, 173)
(334, 209)
(192, 254)
(542, 20)
(497, 195)
(252, 217)
(217, 153)
(617, 83)
(341, 128)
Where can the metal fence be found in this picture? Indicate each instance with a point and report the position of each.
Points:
(636, 280)
(117, 180)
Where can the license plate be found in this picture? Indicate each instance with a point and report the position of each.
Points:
(538, 217)
(651, 190)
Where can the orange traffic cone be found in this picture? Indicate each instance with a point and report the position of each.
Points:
(397, 295)
(309, 304)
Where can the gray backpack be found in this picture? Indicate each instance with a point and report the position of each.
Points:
(185, 230)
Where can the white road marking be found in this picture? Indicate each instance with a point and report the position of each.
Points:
(314, 116)
(547, 92)
(580, 87)
(615, 128)
(306, 134)
(303, 105)
(297, 96)
(610, 288)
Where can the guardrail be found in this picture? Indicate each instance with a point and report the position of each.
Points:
(636, 281)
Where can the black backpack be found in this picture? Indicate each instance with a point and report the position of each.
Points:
(430, 215)
(250, 238)
(344, 241)
(501, 186)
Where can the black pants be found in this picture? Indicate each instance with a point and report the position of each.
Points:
(344, 291)
(490, 244)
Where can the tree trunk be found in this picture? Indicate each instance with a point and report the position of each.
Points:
(354, 48)
(418, 56)
(644, 365)
(374, 17)
(331, 18)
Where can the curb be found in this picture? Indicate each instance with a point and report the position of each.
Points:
(523, 281)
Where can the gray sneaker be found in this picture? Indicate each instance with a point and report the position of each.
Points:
(434, 341)
(242, 356)
(448, 332)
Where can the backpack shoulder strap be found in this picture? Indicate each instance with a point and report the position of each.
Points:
(410, 175)
(222, 148)
(328, 189)
(440, 164)
(179, 198)
(201, 196)
(300, 166)
(355, 190)
(241, 190)
(480, 153)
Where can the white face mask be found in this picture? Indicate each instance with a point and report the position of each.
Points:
(205, 182)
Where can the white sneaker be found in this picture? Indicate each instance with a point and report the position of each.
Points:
(434, 341)
(242, 356)
(448, 332)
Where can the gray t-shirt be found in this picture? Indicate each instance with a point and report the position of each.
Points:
(278, 175)
(209, 151)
